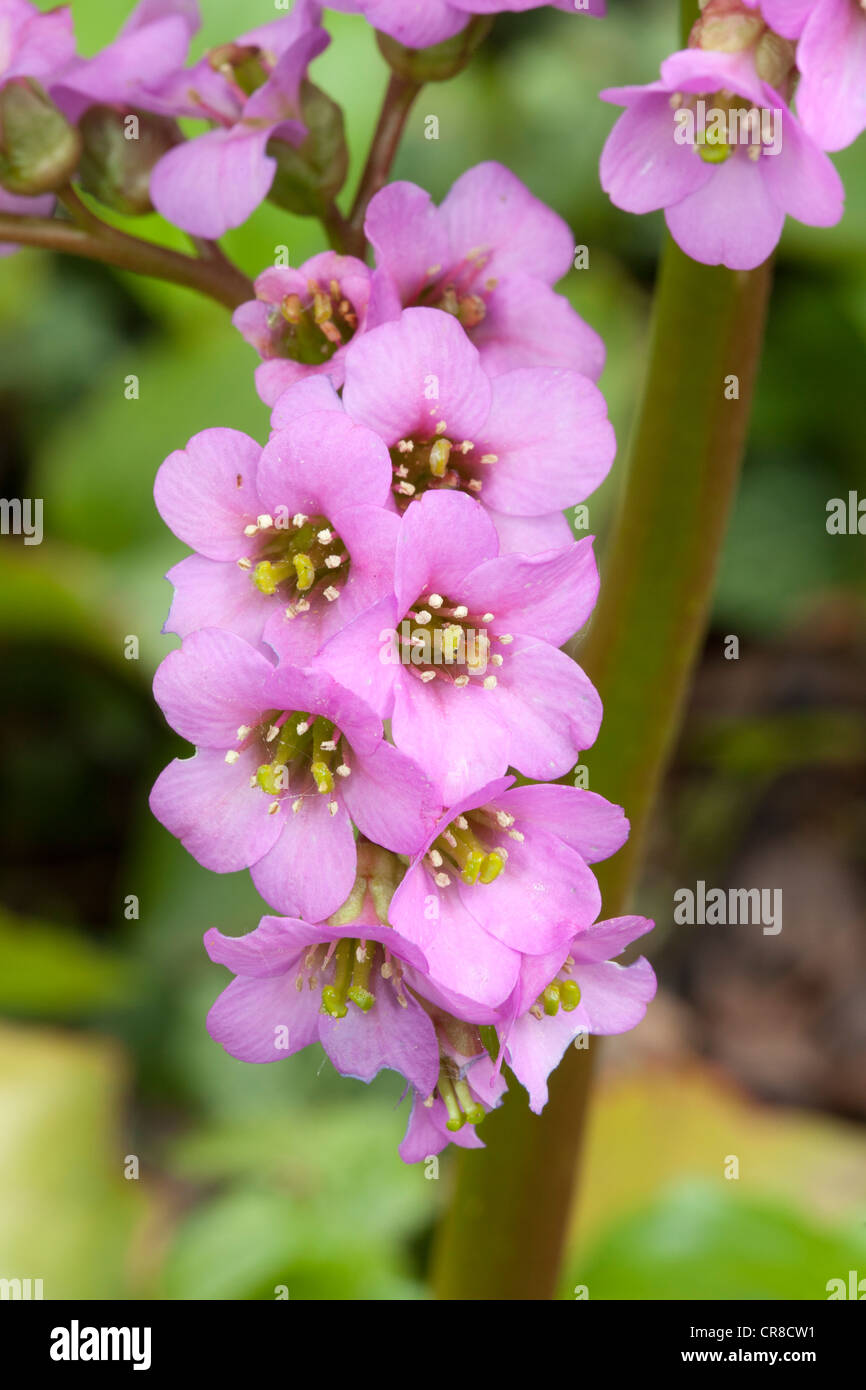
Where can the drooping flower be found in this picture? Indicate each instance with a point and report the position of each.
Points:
(134, 69)
(504, 873)
(831, 57)
(725, 190)
(422, 23)
(250, 90)
(583, 990)
(489, 255)
(286, 760)
(299, 528)
(302, 320)
(469, 1087)
(464, 656)
(340, 983)
(525, 444)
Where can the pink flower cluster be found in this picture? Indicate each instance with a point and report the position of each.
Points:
(372, 620)
(715, 142)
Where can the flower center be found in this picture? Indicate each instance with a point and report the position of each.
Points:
(303, 756)
(442, 640)
(302, 556)
(350, 971)
(312, 327)
(471, 845)
(427, 463)
(457, 291)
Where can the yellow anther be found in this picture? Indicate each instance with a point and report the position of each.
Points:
(305, 570)
(439, 456)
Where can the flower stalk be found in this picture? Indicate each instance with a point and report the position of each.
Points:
(504, 1234)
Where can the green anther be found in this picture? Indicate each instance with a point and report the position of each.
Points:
(493, 865)
(472, 1110)
(473, 866)
(714, 154)
(569, 995)
(322, 307)
(322, 776)
(551, 999)
(243, 62)
(439, 456)
(359, 993)
(452, 636)
(464, 850)
(305, 570)
(456, 1119)
(334, 996)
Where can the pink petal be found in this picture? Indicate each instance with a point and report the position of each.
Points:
(199, 497)
(213, 684)
(402, 1039)
(733, 220)
(592, 826)
(549, 459)
(389, 799)
(209, 805)
(490, 210)
(551, 709)
(310, 870)
(253, 1018)
(528, 324)
(548, 596)
(403, 378)
(215, 181)
(642, 166)
(457, 735)
(443, 537)
(322, 463)
(408, 236)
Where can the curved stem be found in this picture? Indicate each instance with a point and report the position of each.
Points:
(399, 96)
(94, 240)
(504, 1235)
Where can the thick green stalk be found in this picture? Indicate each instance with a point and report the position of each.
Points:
(503, 1235)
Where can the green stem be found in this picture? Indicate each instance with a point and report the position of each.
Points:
(503, 1236)
(92, 239)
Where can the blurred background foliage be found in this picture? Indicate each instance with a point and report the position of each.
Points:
(254, 1178)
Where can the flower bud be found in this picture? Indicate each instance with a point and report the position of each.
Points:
(119, 151)
(727, 26)
(310, 176)
(440, 62)
(39, 149)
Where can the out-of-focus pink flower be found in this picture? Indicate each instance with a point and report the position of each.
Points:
(422, 23)
(250, 90)
(831, 57)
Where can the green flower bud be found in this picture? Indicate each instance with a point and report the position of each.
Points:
(310, 176)
(119, 151)
(440, 62)
(39, 149)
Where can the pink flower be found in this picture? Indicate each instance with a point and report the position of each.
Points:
(463, 656)
(133, 70)
(419, 384)
(422, 23)
(250, 89)
(301, 321)
(579, 990)
(488, 255)
(298, 528)
(285, 761)
(831, 57)
(340, 985)
(725, 203)
(503, 874)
